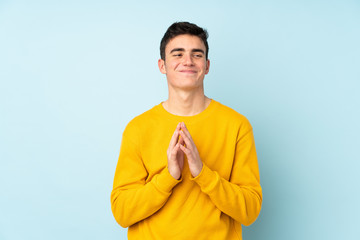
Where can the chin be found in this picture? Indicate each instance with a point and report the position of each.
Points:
(186, 83)
(189, 87)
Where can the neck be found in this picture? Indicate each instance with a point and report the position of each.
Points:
(183, 103)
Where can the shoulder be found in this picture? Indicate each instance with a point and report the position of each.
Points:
(141, 120)
(231, 116)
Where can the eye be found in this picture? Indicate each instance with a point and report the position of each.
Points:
(198, 55)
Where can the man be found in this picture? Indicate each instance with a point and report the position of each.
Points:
(187, 167)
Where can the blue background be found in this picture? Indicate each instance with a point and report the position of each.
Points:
(73, 73)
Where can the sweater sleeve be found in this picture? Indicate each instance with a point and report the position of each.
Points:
(134, 198)
(241, 196)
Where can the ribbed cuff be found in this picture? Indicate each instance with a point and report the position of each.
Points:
(207, 179)
(165, 182)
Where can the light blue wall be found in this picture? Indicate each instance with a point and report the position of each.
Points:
(73, 73)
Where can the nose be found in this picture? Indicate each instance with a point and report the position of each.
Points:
(187, 60)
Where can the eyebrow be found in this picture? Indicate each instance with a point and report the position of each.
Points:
(183, 50)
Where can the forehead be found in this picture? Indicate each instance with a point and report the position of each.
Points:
(186, 42)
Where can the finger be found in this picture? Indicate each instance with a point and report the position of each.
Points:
(185, 130)
(186, 151)
(175, 136)
(174, 139)
(181, 140)
(174, 151)
(189, 143)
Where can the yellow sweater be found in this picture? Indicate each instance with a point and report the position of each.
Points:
(226, 194)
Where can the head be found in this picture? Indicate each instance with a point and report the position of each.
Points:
(182, 28)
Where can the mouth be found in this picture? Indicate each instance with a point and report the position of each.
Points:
(188, 71)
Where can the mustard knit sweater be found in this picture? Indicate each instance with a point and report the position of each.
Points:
(213, 205)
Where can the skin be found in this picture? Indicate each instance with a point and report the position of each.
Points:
(185, 66)
(185, 71)
(180, 146)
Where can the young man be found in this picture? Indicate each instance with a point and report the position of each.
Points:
(187, 167)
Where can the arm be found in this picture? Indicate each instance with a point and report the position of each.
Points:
(132, 199)
(241, 196)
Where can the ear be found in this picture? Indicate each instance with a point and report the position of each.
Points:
(161, 64)
(207, 66)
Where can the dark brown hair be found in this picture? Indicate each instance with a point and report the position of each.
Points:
(180, 28)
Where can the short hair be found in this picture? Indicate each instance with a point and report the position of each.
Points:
(180, 28)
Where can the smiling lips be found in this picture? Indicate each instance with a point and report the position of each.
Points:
(187, 71)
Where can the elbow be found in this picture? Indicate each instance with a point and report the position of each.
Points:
(120, 217)
(118, 213)
(122, 222)
(250, 220)
(252, 213)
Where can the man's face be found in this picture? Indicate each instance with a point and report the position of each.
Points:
(185, 62)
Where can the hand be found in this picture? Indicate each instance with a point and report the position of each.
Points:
(192, 154)
(175, 156)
